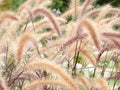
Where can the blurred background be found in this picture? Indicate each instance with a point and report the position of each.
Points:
(62, 5)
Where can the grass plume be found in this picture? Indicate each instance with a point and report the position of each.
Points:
(38, 83)
(100, 83)
(22, 42)
(3, 85)
(82, 40)
(90, 57)
(75, 4)
(44, 11)
(84, 7)
(46, 65)
(92, 32)
(8, 15)
(84, 82)
(111, 34)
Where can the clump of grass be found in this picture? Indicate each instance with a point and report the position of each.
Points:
(85, 48)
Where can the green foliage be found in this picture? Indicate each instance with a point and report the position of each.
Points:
(36, 19)
(115, 3)
(4, 5)
(20, 27)
(43, 42)
(69, 19)
(109, 15)
(81, 88)
(112, 81)
(14, 4)
(80, 59)
(57, 4)
(10, 65)
(77, 64)
(106, 62)
(40, 31)
(60, 4)
(54, 37)
(11, 4)
(117, 27)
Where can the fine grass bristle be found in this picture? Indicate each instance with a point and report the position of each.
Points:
(90, 57)
(92, 31)
(59, 45)
(38, 83)
(114, 21)
(92, 13)
(22, 42)
(75, 4)
(100, 83)
(45, 12)
(46, 65)
(102, 13)
(74, 39)
(83, 81)
(44, 23)
(111, 34)
(66, 14)
(3, 85)
(46, 3)
(84, 7)
(7, 15)
(116, 43)
(105, 48)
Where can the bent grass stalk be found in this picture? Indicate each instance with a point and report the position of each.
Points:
(8, 15)
(22, 42)
(44, 11)
(3, 85)
(101, 83)
(92, 32)
(75, 4)
(92, 48)
(38, 83)
(46, 65)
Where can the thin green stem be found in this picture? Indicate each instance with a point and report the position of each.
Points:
(114, 84)
(76, 57)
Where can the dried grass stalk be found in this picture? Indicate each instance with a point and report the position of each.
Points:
(100, 83)
(84, 6)
(7, 15)
(102, 13)
(92, 32)
(44, 11)
(83, 81)
(88, 55)
(22, 42)
(75, 4)
(46, 65)
(3, 85)
(38, 83)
